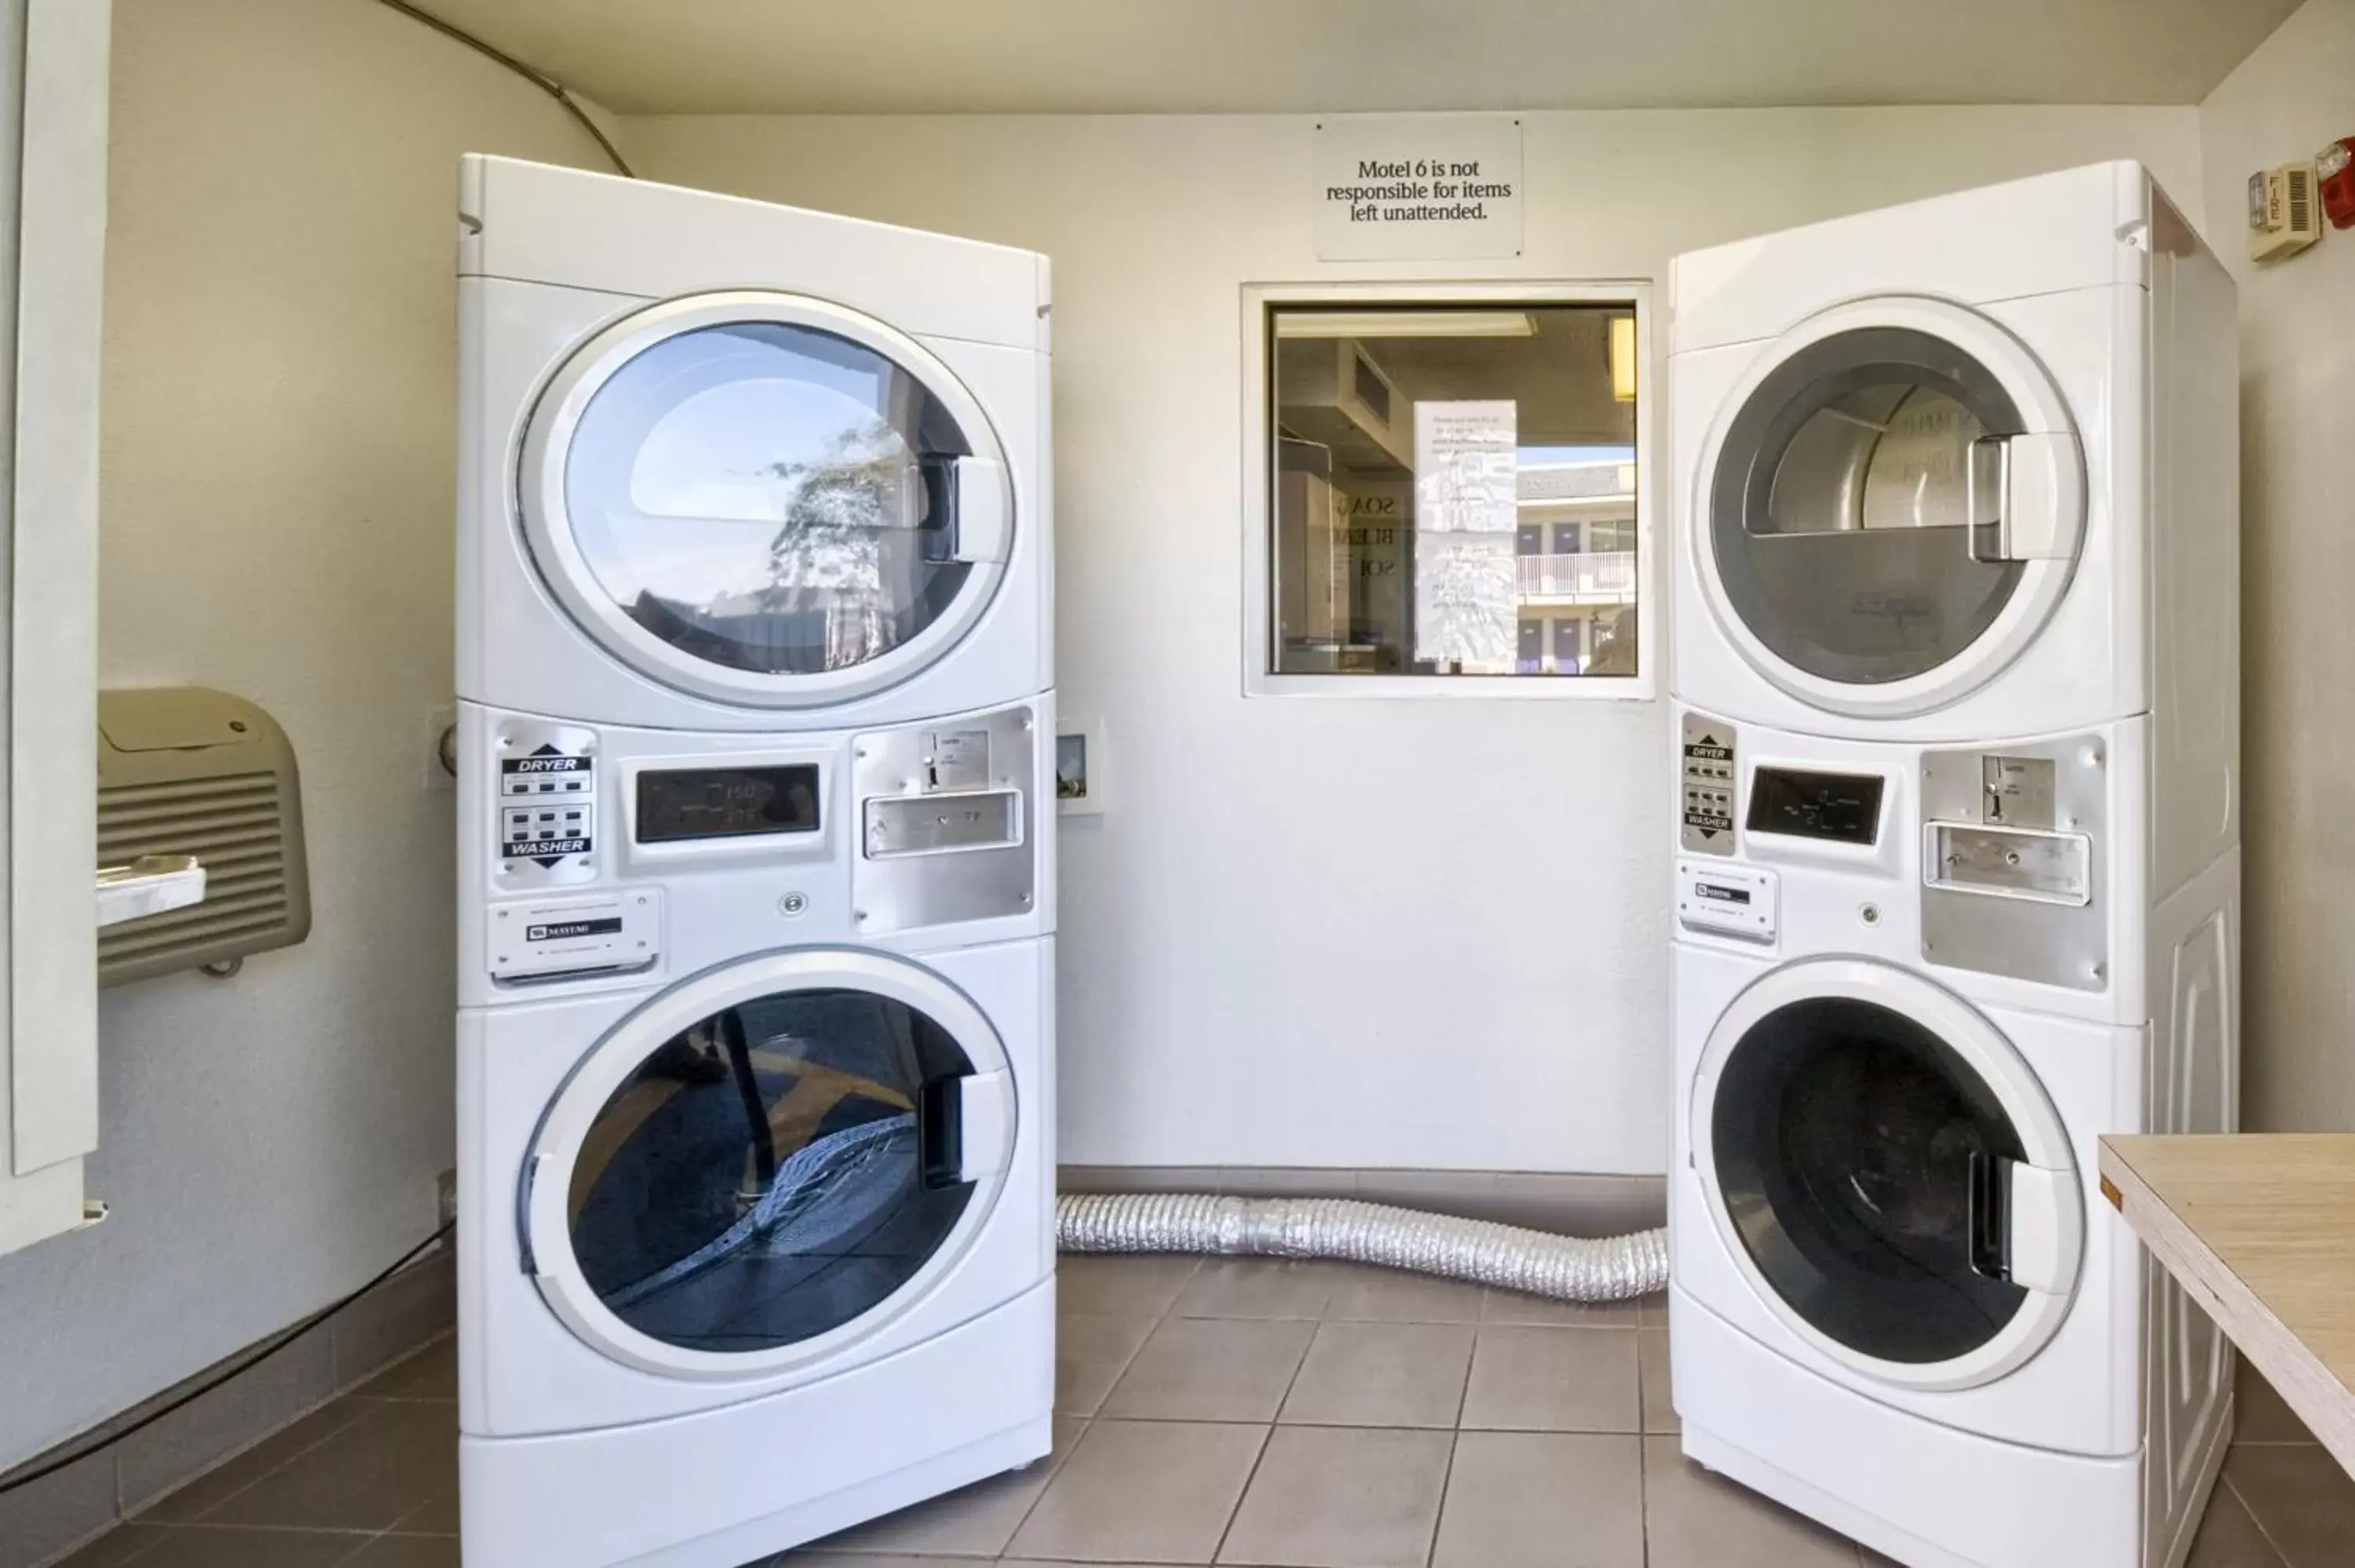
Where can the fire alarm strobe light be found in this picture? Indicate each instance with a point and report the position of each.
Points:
(2334, 169)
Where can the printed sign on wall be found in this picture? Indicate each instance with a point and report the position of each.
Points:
(1466, 508)
(1404, 186)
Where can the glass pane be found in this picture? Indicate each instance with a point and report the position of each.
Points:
(766, 497)
(1844, 1135)
(1839, 511)
(1447, 481)
(760, 1179)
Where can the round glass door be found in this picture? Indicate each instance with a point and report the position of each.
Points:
(1860, 525)
(764, 499)
(739, 1175)
(1865, 1168)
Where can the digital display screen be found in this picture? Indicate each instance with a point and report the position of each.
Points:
(725, 802)
(1844, 808)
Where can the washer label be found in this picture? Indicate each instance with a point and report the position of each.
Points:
(1708, 782)
(566, 930)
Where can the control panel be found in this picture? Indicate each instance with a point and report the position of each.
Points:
(2012, 860)
(1709, 786)
(546, 822)
(946, 822)
(1835, 808)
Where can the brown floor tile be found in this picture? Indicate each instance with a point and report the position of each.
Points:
(2229, 1538)
(1542, 1500)
(391, 1461)
(1391, 1296)
(438, 1515)
(208, 1546)
(1654, 1310)
(1211, 1369)
(1382, 1375)
(207, 1491)
(820, 1557)
(1652, 1368)
(1157, 1492)
(1694, 1519)
(2300, 1498)
(116, 1546)
(1257, 1287)
(1109, 1284)
(1519, 1306)
(431, 1373)
(1342, 1497)
(409, 1552)
(973, 1521)
(1091, 1353)
(2259, 1413)
(1554, 1379)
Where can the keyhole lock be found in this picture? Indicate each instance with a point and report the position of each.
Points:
(1870, 914)
(792, 904)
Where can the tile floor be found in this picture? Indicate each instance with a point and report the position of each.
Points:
(1234, 1411)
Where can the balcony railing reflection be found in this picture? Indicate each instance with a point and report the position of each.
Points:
(1603, 576)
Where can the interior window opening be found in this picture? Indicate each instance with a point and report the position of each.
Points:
(1454, 490)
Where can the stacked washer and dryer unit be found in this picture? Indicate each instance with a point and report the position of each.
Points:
(1957, 877)
(756, 872)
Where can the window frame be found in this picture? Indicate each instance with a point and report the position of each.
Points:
(1260, 301)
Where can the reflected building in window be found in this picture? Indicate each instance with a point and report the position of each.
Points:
(1454, 491)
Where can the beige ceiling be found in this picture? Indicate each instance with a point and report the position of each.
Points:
(1222, 56)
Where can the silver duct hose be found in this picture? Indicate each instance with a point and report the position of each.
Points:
(1569, 1269)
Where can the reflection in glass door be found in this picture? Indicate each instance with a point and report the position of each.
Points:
(779, 1169)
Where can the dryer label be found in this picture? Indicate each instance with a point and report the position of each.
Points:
(1708, 783)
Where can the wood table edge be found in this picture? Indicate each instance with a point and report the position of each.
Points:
(2306, 1384)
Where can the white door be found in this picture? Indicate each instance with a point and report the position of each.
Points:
(767, 1163)
(765, 499)
(1887, 1173)
(1889, 506)
(53, 101)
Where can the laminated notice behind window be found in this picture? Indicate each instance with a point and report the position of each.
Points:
(184, 770)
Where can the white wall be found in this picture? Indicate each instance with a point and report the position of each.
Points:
(1355, 933)
(276, 515)
(2293, 96)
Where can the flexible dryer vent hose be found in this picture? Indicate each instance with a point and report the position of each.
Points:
(1569, 1269)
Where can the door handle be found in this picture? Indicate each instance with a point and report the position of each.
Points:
(2024, 498)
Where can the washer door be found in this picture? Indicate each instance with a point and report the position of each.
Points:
(1890, 508)
(765, 499)
(1887, 1173)
(767, 1163)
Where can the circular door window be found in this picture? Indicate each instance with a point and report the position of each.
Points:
(1864, 533)
(1887, 1174)
(766, 1162)
(764, 499)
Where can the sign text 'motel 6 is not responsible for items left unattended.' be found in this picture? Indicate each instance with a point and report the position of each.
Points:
(1409, 186)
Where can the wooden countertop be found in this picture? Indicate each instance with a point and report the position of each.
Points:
(2260, 1229)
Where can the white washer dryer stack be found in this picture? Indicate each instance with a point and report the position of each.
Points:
(1956, 674)
(756, 871)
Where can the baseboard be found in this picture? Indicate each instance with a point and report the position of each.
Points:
(56, 1515)
(1566, 1204)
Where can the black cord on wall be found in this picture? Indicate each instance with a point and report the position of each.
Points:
(538, 78)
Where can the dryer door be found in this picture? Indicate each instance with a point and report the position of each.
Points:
(765, 499)
(767, 1163)
(1889, 507)
(1888, 1174)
